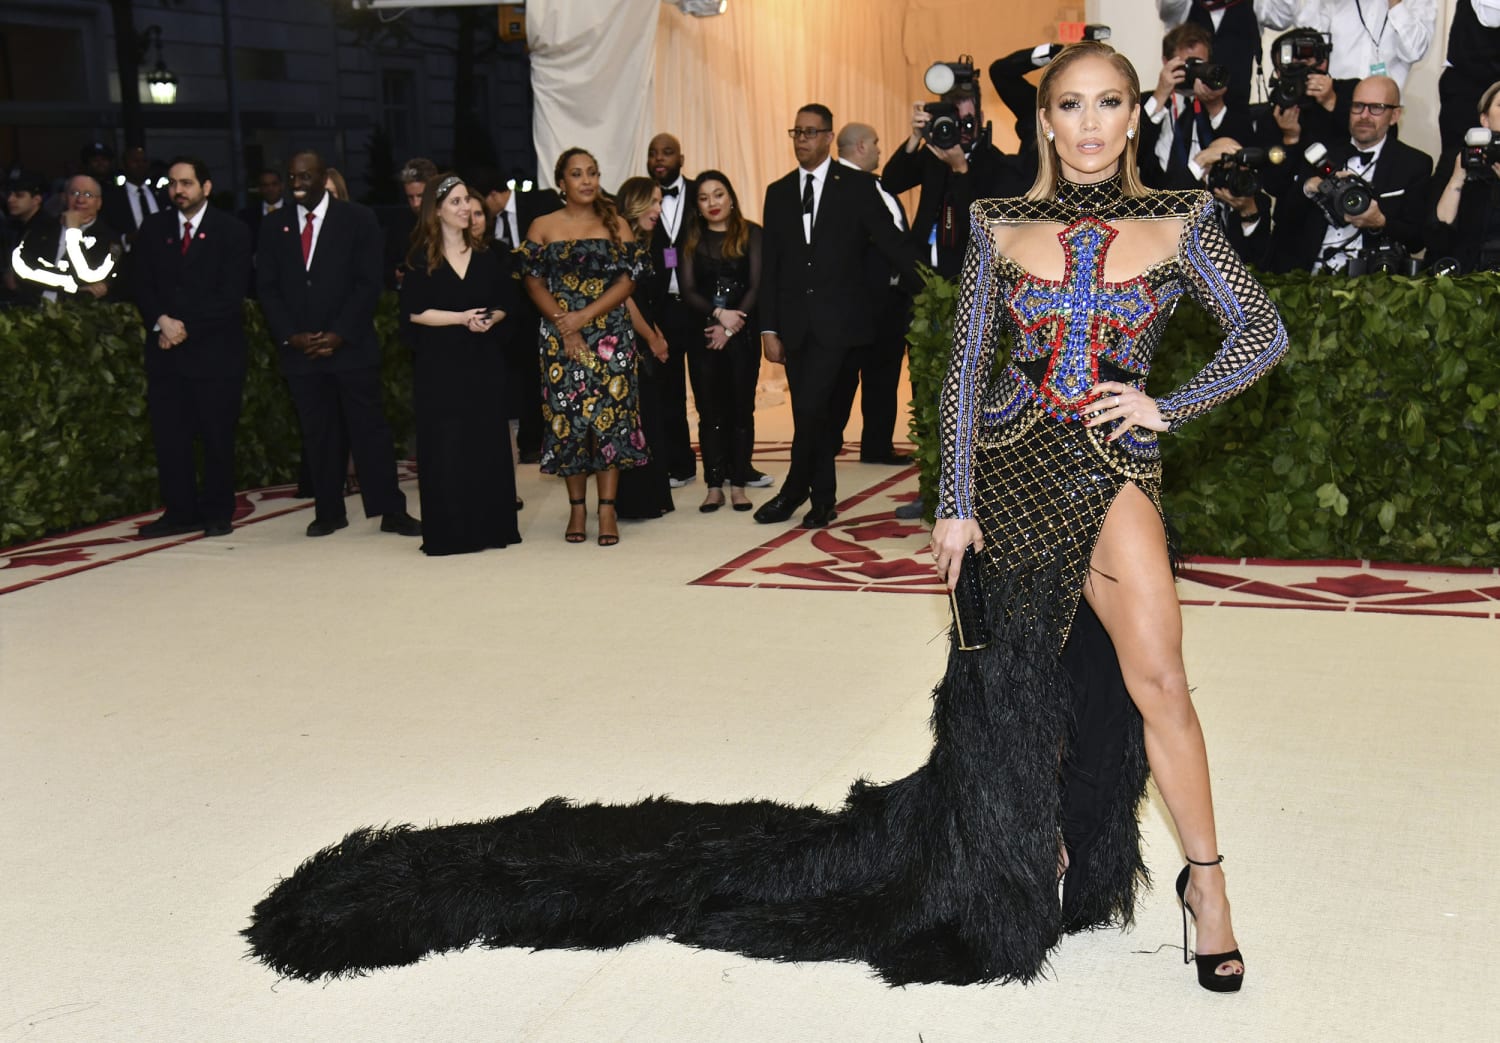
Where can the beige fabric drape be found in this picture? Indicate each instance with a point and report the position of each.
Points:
(591, 68)
(729, 86)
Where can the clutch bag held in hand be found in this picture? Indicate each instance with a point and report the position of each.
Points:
(967, 599)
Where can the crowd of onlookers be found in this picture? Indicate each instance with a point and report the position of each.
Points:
(565, 326)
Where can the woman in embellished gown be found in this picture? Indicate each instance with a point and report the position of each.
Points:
(1037, 769)
(581, 264)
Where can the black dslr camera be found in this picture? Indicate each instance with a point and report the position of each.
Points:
(1239, 172)
(1384, 255)
(947, 128)
(1195, 70)
(1295, 55)
(1338, 197)
(1481, 148)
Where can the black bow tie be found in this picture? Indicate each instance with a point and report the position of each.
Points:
(671, 191)
(1365, 158)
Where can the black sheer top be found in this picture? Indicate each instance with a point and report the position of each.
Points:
(710, 280)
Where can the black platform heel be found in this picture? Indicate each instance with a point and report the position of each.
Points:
(1208, 964)
(573, 535)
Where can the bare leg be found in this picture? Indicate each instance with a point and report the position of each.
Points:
(578, 511)
(1131, 591)
(608, 482)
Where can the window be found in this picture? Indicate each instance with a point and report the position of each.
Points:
(398, 100)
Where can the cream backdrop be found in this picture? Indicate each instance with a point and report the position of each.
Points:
(729, 86)
(591, 68)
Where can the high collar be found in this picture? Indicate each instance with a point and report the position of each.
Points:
(1091, 198)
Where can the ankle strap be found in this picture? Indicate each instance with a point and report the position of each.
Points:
(576, 503)
(1195, 862)
(606, 503)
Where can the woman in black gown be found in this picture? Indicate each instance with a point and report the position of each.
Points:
(646, 492)
(453, 296)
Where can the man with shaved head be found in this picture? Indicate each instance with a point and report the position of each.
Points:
(678, 210)
(880, 368)
(1309, 237)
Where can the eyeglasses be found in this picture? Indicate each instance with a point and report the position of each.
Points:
(806, 132)
(84, 193)
(1374, 108)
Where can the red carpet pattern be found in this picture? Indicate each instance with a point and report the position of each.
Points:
(870, 549)
(119, 540)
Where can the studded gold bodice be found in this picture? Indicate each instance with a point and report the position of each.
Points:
(1068, 334)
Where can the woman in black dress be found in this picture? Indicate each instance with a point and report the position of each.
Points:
(646, 492)
(720, 281)
(452, 297)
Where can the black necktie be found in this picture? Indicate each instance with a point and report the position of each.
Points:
(505, 228)
(671, 191)
(145, 203)
(807, 196)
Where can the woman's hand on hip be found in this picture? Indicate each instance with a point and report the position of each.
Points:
(1116, 401)
(950, 537)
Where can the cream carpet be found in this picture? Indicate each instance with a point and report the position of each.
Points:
(181, 728)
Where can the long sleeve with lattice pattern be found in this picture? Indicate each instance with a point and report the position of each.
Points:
(1254, 338)
(969, 368)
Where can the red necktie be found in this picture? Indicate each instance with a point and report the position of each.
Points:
(307, 240)
(187, 236)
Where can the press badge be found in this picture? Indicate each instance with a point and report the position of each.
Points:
(1377, 68)
(669, 257)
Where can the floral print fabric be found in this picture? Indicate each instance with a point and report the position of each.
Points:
(590, 408)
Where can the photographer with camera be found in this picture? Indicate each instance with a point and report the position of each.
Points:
(1369, 37)
(1463, 219)
(1187, 111)
(1305, 102)
(950, 155)
(1236, 174)
(1234, 31)
(1370, 190)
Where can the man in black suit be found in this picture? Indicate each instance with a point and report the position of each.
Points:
(191, 263)
(89, 260)
(1306, 238)
(318, 270)
(270, 195)
(814, 303)
(880, 369)
(128, 202)
(1177, 124)
(679, 208)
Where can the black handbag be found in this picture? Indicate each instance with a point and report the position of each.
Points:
(970, 604)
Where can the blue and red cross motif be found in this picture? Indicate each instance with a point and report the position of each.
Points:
(1078, 309)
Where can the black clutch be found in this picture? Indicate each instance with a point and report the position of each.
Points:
(969, 604)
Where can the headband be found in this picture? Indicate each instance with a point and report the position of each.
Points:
(448, 184)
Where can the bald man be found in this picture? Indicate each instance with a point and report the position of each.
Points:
(664, 160)
(1306, 238)
(880, 369)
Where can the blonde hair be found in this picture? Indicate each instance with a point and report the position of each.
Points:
(1049, 167)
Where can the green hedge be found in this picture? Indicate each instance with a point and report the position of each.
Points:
(75, 444)
(1374, 438)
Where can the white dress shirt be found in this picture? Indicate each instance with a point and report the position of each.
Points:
(142, 202)
(672, 209)
(269, 208)
(1165, 117)
(1366, 34)
(819, 176)
(1343, 241)
(320, 214)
